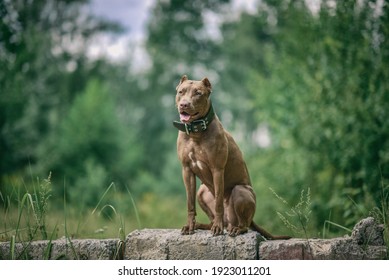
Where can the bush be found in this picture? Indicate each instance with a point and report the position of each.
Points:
(92, 147)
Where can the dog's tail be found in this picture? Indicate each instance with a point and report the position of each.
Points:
(203, 226)
(266, 234)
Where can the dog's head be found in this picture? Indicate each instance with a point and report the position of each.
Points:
(192, 99)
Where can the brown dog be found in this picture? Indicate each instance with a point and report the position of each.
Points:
(209, 152)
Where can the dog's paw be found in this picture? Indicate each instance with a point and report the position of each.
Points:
(217, 230)
(186, 230)
(217, 227)
(235, 231)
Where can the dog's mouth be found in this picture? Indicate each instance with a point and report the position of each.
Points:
(185, 116)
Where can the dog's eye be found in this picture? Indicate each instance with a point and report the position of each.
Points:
(198, 92)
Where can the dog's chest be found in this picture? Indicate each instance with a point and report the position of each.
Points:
(195, 161)
(198, 155)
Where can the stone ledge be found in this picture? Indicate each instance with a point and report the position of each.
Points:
(157, 244)
(365, 243)
(320, 249)
(78, 249)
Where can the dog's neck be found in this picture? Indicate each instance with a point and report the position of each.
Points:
(198, 125)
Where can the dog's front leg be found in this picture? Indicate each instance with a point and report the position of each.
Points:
(218, 181)
(190, 185)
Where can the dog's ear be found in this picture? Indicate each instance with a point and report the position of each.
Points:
(207, 84)
(183, 79)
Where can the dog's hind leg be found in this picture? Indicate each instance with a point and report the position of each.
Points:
(207, 203)
(240, 210)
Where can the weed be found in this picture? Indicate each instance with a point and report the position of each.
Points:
(381, 212)
(135, 208)
(301, 211)
(40, 204)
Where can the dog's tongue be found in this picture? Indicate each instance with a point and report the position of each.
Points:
(184, 117)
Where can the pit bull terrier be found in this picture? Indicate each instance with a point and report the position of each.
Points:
(208, 151)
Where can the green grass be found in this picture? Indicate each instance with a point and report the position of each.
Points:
(32, 212)
(20, 224)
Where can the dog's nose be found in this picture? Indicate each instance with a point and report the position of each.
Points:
(184, 105)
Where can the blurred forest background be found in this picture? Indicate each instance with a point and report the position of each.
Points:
(87, 146)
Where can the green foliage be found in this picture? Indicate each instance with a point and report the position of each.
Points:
(92, 146)
(40, 72)
(319, 85)
(350, 130)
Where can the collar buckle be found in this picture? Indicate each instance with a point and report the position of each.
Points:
(186, 129)
(203, 125)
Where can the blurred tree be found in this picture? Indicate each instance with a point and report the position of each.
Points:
(319, 80)
(349, 72)
(92, 146)
(43, 65)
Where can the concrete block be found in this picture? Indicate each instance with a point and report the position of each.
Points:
(85, 249)
(169, 244)
(365, 243)
(320, 249)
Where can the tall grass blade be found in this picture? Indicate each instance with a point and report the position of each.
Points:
(135, 209)
(337, 225)
(110, 207)
(102, 197)
(26, 198)
(47, 253)
(12, 247)
(67, 236)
